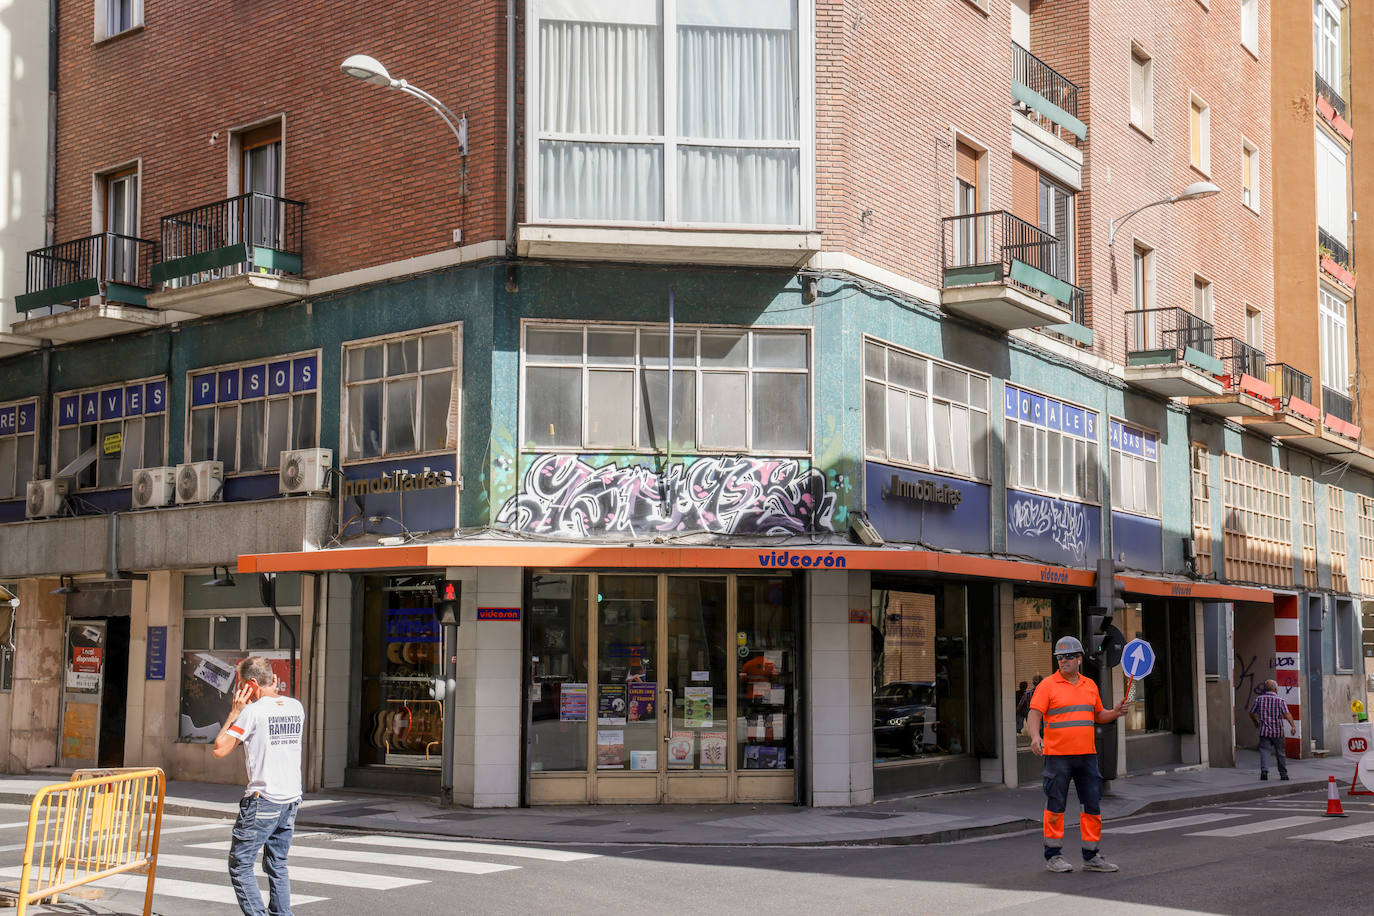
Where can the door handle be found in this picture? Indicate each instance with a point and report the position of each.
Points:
(669, 706)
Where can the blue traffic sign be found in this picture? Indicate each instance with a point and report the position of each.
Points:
(1137, 659)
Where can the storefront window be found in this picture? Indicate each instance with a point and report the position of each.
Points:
(627, 648)
(766, 648)
(221, 627)
(402, 659)
(558, 696)
(919, 673)
(1038, 620)
(697, 672)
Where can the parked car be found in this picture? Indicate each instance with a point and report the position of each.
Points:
(905, 717)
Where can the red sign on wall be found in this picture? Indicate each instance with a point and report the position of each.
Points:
(87, 658)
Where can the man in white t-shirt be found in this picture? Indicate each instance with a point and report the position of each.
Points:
(271, 727)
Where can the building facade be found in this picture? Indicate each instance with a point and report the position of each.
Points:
(767, 382)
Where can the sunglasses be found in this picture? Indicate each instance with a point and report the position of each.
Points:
(1066, 657)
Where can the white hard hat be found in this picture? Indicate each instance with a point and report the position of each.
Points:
(1067, 645)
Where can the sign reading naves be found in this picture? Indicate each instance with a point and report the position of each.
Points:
(112, 403)
(907, 505)
(412, 495)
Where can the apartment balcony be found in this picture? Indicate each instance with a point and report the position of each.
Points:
(1245, 392)
(233, 255)
(91, 287)
(12, 344)
(1336, 434)
(1335, 258)
(1339, 414)
(1332, 107)
(1293, 411)
(1170, 353)
(1044, 95)
(1001, 271)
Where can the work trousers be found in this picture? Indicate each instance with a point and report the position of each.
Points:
(1087, 780)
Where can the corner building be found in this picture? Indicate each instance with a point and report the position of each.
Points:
(772, 444)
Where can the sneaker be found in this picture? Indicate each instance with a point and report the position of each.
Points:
(1264, 776)
(1097, 863)
(1058, 864)
(1283, 778)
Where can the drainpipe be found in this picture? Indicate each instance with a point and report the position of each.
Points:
(44, 442)
(510, 128)
(50, 204)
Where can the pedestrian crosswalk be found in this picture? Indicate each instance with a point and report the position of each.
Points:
(1278, 821)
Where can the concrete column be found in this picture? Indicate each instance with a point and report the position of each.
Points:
(332, 708)
(1194, 745)
(840, 737)
(1006, 687)
(36, 698)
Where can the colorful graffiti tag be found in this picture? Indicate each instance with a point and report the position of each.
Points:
(564, 494)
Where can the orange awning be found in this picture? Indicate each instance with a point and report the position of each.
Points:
(1179, 588)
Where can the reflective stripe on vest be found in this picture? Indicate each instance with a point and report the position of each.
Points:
(1058, 709)
(1070, 723)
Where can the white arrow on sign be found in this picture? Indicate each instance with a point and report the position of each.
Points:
(1138, 656)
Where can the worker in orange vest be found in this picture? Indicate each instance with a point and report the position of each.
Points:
(1070, 707)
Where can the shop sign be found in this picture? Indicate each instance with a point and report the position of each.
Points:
(924, 491)
(86, 659)
(860, 615)
(156, 665)
(113, 444)
(412, 624)
(398, 481)
(912, 506)
(498, 613)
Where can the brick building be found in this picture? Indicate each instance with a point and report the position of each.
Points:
(769, 383)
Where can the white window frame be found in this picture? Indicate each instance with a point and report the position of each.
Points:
(1088, 490)
(271, 463)
(107, 14)
(1143, 468)
(1143, 295)
(1141, 109)
(1204, 128)
(1327, 54)
(1334, 339)
(18, 480)
(1347, 634)
(456, 327)
(680, 365)
(1254, 327)
(1249, 25)
(1249, 174)
(57, 429)
(895, 389)
(806, 130)
(1333, 214)
(1204, 306)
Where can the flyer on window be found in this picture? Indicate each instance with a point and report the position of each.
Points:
(696, 703)
(610, 704)
(610, 749)
(641, 702)
(572, 703)
(713, 749)
(681, 749)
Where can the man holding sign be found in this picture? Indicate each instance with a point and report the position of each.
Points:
(1070, 707)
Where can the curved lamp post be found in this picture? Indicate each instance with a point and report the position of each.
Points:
(1194, 191)
(370, 70)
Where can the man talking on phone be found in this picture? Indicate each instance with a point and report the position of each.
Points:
(270, 726)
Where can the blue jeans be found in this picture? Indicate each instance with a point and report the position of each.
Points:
(1269, 745)
(267, 826)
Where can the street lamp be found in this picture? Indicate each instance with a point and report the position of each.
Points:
(370, 70)
(1194, 191)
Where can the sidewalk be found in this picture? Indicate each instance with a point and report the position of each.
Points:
(923, 819)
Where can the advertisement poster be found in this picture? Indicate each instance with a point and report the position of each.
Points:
(572, 703)
(610, 749)
(610, 704)
(87, 657)
(696, 703)
(644, 760)
(641, 701)
(681, 748)
(713, 750)
(207, 690)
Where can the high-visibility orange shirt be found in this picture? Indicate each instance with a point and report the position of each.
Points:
(1070, 712)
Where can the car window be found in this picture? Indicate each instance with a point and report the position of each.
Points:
(891, 693)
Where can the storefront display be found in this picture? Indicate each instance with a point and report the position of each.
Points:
(401, 720)
(919, 672)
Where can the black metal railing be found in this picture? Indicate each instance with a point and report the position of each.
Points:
(1240, 358)
(1338, 405)
(1289, 383)
(107, 257)
(1328, 244)
(1171, 328)
(995, 239)
(1328, 92)
(1038, 76)
(254, 220)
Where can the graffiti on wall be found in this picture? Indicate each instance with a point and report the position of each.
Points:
(1066, 523)
(564, 494)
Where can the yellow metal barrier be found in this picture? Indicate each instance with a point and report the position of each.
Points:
(101, 824)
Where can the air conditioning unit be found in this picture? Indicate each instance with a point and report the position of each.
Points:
(200, 482)
(305, 470)
(154, 487)
(46, 498)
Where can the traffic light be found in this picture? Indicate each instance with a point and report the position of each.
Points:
(447, 601)
(1111, 601)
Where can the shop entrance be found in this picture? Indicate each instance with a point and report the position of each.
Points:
(94, 688)
(652, 688)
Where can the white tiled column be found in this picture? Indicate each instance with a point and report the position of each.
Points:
(840, 719)
(487, 736)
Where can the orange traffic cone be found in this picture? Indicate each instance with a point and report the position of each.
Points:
(1333, 799)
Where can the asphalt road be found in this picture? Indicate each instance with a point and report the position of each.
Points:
(1272, 854)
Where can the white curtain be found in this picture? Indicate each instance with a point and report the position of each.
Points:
(723, 185)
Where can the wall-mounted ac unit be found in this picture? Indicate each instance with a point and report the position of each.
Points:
(305, 470)
(200, 482)
(46, 498)
(154, 487)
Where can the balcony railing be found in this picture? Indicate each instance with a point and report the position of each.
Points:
(1327, 242)
(1289, 383)
(1160, 331)
(1338, 405)
(1059, 94)
(252, 233)
(1325, 90)
(107, 264)
(1240, 358)
(997, 246)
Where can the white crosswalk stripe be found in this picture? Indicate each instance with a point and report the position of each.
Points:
(171, 887)
(1278, 823)
(459, 866)
(475, 849)
(1174, 823)
(1352, 832)
(299, 873)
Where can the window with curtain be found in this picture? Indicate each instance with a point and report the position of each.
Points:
(620, 137)
(1326, 41)
(1202, 299)
(1051, 446)
(1333, 210)
(402, 394)
(1249, 24)
(1056, 218)
(1334, 346)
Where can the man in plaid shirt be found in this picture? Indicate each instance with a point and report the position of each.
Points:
(1269, 712)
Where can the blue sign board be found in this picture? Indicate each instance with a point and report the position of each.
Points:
(1132, 441)
(1137, 659)
(1039, 410)
(1138, 541)
(157, 654)
(18, 419)
(112, 403)
(1053, 530)
(412, 624)
(221, 386)
(915, 507)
